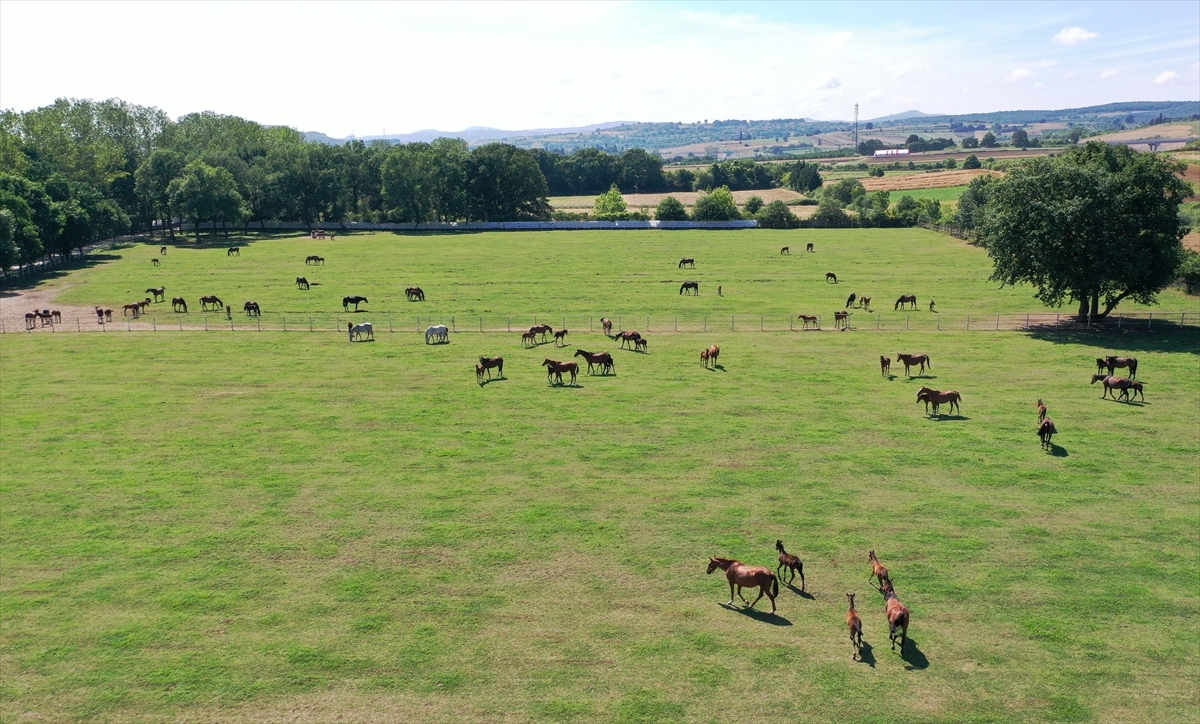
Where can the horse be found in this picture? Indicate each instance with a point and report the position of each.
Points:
(813, 320)
(414, 294)
(136, 308)
(1111, 383)
(100, 315)
(713, 353)
(558, 368)
(438, 332)
(57, 316)
(313, 259)
(864, 303)
(1136, 388)
(639, 345)
(704, 358)
(627, 337)
(850, 299)
(234, 251)
(841, 319)
(358, 330)
(542, 329)
(906, 299)
(791, 563)
(560, 338)
(108, 315)
(810, 248)
(251, 308)
(938, 398)
(177, 302)
(1101, 364)
(877, 568)
(213, 301)
(488, 363)
(885, 365)
(1112, 363)
(607, 324)
(479, 374)
(830, 276)
(690, 287)
(739, 574)
(1046, 430)
(162, 250)
(931, 307)
(31, 319)
(302, 283)
(356, 300)
(528, 339)
(603, 359)
(898, 615)
(159, 294)
(687, 261)
(154, 262)
(912, 360)
(1041, 408)
(785, 250)
(854, 623)
(143, 304)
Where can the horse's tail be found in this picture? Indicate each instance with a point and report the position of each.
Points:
(774, 585)
(928, 362)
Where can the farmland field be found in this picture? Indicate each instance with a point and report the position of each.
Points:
(287, 527)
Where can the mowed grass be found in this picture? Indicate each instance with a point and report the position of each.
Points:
(582, 273)
(949, 194)
(266, 526)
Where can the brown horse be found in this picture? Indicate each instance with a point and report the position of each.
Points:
(558, 368)
(58, 317)
(234, 251)
(415, 294)
(604, 360)
(607, 324)
(1136, 388)
(938, 398)
(489, 362)
(739, 574)
(713, 353)
(687, 261)
(791, 563)
(542, 329)
(689, 287)
(831, 277)
(627, 337)
(1112, 383)
(864, 303)
(785, 250)
(854, 623)
(639, 345)
(1101, 364)
(808, 320)
(135, 308)
(906, 299)
(313, 259)
(162, 250)
(31, 319)
(159, 293)
(912, 360)
(877, 568)
(1112, 363)
(560, 338)
(479, 374)
(1046, 430)
(108, 315)
(704, 358)
(206, 302)
(154, 262)
(1041, 408)
(177, 302)
(898, 615)
(302, 283)
(885, 366)
(529, 339)
(841, 319)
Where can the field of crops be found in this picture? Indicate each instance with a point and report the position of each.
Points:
(274, 526)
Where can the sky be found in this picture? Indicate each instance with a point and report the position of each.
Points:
(368, 68)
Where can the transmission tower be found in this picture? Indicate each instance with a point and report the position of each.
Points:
(856, 125)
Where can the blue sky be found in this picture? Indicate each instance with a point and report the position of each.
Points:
(363, 68)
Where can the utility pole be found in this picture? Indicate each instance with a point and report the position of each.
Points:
(856, 125)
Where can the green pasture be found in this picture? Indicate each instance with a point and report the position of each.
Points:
(590, 273)
(243, 526)
(945, 194)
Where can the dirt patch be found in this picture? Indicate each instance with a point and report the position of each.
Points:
(933, 180)
(1192, 241)
(15, 304)
(1168, 130)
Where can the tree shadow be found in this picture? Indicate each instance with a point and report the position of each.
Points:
(1159, 339)
(14, 287)
(761, 616)
(913, 656)
(866, 654)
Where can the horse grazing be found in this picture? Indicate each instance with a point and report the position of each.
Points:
(438, 333)
(898, 616)
(302, 283)
(688, 287)
(347, 301)
(813, 320)
(1046, 430)
(877, 568)
(604, 360)
(1112, 363)
(607, 324)
(414, 294)
(841, 319)
(214, 301)
(542, 329)
(639, 345)
(854, 623)
(159, 294)
(687, 261)
(906, 299)
(313, 259)
(162, 250)
(785, 250)
(739, 574)
(831, 277)
(938, 398)
(913, 360)
(487, 363)
(1041, 408)
(234, 251)
(252, 309)
(556, 368)
(885, 365)
(178, 302)
(528, 339)
(810, 248)
(560, 338)
(850, 299)
(358, 330)
(791, 563)
(627, 337)
(1112, 383)
(154, 262)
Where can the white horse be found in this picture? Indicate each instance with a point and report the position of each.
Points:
(438, 333)
(358, 330)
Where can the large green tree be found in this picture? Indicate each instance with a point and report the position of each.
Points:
(207, 193)
(717, 205)
(153, 180)
(1096, 225)
(504, 183)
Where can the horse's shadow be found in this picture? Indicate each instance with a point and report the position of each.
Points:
(488, 380)
(798, 592)
(890, 377)
(761, 616)
(866, 654)
(939, 417)
(565, 385)
(921, 377)
(1128, 402)
(714, 368)
(1057, 451)
(368, 339)
(437, 344)
(913, 656)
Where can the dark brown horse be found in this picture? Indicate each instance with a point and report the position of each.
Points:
(177, 302)
(415, 294)
(885, 365)
(162, 250)
(252, 309)
(313, 259)
(355, 300)
(1046, 430)
(906, 299)
(1041, 408)
(1112, 363)
(831, 277)
(603, 360)
(810, 248)
(841, 319)
(155, 262)
(558, 368)
(785, 250)
(741, 575)
(529, 339)
(213, 301)
(938, 398)
(560, 338)
(302, 283)
(913, 360)
(689, 287)
(542, 329)
(687, 261)
(234, 251)
(159, 294)
(854, 623)
(1136, 388)
(627, 337)
(639, 345)
(489, 362)
(791, 563)
(898, 616)
(1101, 364)
(850, 299)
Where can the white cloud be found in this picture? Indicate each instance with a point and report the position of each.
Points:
(828, 84)
(1073, 36)
(1167, 76)
(1108, 72)
(1039, 85)
(1018, 75)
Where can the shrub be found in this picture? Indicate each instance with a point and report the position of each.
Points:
(830, 209)
(670, 209)
(972, 161)
(777, 215)
(951, 163)
(568, 216)
(716, 206)
(610, 206)
(754, 204)
(1189, 272)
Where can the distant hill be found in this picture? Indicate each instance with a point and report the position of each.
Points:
(473, 134)
(900, 116)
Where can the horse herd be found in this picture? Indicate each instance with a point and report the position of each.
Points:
(740, 575)
(1111, 382)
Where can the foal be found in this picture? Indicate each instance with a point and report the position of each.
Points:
(854, 623)
(877, 569)
(885, 366)
(1041, 411)
(898, 616)
(791, 563)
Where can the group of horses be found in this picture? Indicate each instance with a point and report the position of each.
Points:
(414, 294)
(556, 368)
(530, 337)
(788, 250)
(43, 317)
(708, 357)
(1105, 366)
(1046, 428)
(319, 234)
(937, 398)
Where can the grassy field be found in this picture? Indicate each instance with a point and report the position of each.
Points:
(582, 273)
(948, 194)
(269, 527)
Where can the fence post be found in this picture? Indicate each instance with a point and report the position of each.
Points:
(230, 322)
(481, 323)
(206, 323)
(1181, 320)
(706, 323)
(128, 326)
(732, 326)
(565, 322)
(677, 323)
(510, 324)
(181, 324)
(1056, 316)
(620, 323)
(78, 328)
(997, 322)
(791, 323)
(647, 323)
(154, 322)
(285, 324)
(1150, 322)
(939, 325)
(761, 321)
(1027, 320)
(259, 318)
(310, 324)
(390, 324)
(1119, 316)
(454, 324)
(968, 321)
(907, 319)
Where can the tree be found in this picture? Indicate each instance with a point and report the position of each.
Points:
(8, 247)
(37, 220)
(1096, 222)
(988, 140)
(776, 215)
(803, 177)
(717, 205)
(610, 206)
(753, 205)
(1020, 138)
(844, 191)
(951, 163)
(670, 209)
(504, 183)
(870, 146)
(970, 142)
(206, 193)
(641, 172)
(971, 162)
(153, 178)
(830, 210)
(972, 201)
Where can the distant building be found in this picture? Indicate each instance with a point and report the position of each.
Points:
(892, 152)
